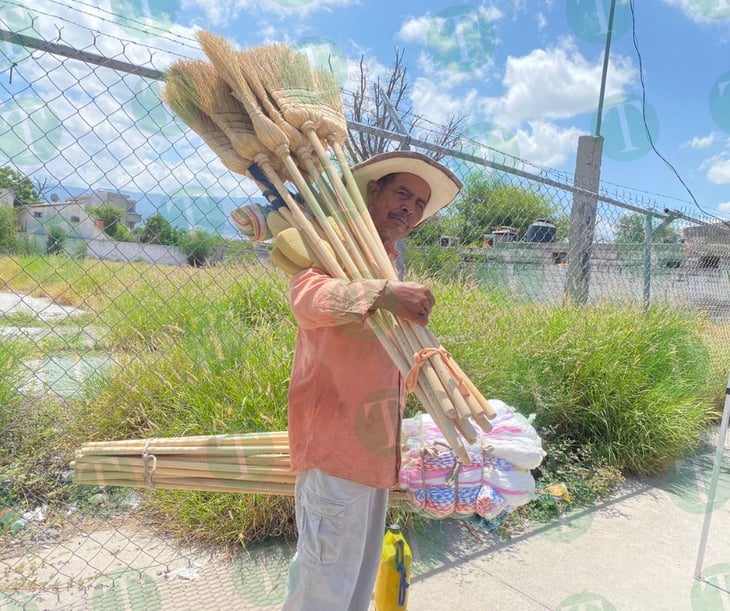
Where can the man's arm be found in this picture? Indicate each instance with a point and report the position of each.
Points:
(318, 300)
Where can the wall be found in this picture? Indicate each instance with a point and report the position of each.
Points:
(133, 251)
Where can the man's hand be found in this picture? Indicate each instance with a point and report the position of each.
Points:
(407, 300)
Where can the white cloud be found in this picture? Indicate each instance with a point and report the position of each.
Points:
(547, 144)
(106, 137)
(703, 11)
(703, 142)
(372, 68)
(435, 102)
(541, 21)
(554, 83)
(224, 11)
(724, 207)
(719, 171)
(449, 79)
(415, 29)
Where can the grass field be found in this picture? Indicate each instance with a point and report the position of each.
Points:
(207, 350)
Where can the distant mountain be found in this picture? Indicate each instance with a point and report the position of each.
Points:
(184, 210)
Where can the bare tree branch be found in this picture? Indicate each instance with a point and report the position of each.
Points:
(370, 106)
(41, 186)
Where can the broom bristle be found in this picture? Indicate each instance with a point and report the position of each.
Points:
(185, 97)
(254, 75)
(179, 92)
(288, 80)
(333, 123)
(219, 143)
(213, 94)
(301, 92)
(224, 58)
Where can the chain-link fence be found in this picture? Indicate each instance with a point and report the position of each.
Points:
(125, 281)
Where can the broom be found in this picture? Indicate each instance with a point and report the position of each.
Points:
(263, 158)
(177, 81)
(182, 93)
(223, 55)
(311, 101)
(186, 93)
(219, 50)
(332, 127)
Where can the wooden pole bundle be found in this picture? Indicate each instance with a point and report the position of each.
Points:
(251, 463)
(293, 114)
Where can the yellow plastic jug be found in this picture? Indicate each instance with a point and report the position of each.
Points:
(394, 574)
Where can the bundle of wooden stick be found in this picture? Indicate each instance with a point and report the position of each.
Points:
(256, 463)
(269, 115)
(253, 463)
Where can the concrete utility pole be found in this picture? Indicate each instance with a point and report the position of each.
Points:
(585, 202)
(583, 217)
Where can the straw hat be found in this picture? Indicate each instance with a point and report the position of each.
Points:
(444, 184)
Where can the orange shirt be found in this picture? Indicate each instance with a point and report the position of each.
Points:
(345, 399)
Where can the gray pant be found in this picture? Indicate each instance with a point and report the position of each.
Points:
(341, 527)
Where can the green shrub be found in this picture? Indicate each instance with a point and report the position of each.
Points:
(207, 351)
(198, 246)
(433, 261)
(56, 240)
(29, 246)
(587, 478)
(11, 354)
(197, 366)
(632, 386)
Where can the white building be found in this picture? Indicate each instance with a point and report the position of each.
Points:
(72, 215)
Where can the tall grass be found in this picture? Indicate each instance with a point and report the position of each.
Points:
(11, 376)
(633, 386)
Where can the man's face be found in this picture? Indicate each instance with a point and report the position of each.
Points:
(397, 206)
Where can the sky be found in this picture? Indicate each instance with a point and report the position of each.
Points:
(524, 76)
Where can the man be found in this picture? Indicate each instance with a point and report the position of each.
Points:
(346, 397)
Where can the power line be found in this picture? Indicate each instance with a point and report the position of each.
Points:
(177, 39)
(646, 125)
(144, 29)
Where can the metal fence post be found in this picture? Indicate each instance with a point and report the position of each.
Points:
(648, 234)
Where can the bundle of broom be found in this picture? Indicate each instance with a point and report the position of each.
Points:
(269, 115)
(255, 463)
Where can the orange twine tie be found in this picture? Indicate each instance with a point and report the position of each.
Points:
(419, 358)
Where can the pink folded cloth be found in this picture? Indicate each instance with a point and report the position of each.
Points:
(437, 502)
(490, 503)
(496, 482)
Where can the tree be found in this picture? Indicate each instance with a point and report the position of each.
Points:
(374, 102)
(158, 230)
(25, 192)
(630, 230)
(441, 224)
(113, 218)
(8, 229)
(485, 204)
